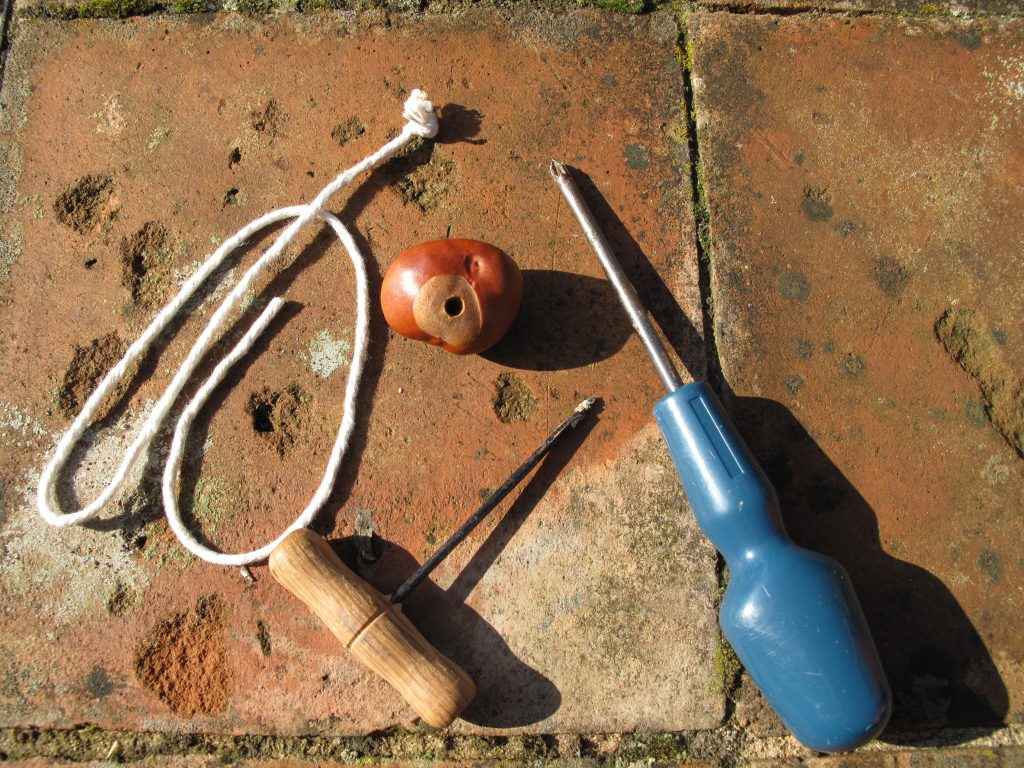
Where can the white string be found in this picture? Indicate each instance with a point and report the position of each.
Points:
(421, 122)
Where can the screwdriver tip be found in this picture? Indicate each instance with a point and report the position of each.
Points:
(557, 169)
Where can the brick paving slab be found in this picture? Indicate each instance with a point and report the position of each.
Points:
(129, 149)
(865, 180)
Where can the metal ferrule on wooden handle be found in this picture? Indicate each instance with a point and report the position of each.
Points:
(376, 631)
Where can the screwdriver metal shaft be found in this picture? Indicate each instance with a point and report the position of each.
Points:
(627, 294)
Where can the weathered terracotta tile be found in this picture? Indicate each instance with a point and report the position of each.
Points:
(588, 606)
(866, 181)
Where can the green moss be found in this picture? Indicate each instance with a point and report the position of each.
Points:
(727, 667)
(58, 395)
(211, 499)
(89, 743)
(909, 9)
(619, 6)
(194, 6)
(162, 547)
(688, 132)
(436, 533)
(362, 5)
(723, 582)
(657, 748)
(513, 401)
(702, 213)
(320, 5)
(684, 46)
(95, 9)
(255, 7)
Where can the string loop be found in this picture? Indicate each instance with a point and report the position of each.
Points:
(421, 122)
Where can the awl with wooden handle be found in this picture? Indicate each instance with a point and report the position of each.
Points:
(790, 614)
(373, 626)
(376, 632)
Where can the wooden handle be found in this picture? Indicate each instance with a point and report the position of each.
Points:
(376, 631)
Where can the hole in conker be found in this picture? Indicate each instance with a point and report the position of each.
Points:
(453, 306)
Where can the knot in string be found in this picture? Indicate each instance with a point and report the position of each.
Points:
(419, 111)
(422, 122)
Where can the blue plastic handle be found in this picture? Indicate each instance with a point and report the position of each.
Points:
(790, 614)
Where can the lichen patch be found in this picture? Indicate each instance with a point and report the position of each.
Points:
(327, 354)
(32, 567)
(513, 400)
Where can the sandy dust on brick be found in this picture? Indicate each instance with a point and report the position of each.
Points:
(183, 659)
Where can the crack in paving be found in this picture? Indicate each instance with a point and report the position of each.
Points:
(6, 12)
(727, 666)
(701, 215)
(747, 9)
(923, 12)
(726, 746)
(81, 9)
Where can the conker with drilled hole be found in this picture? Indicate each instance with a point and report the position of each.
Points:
(460, 295)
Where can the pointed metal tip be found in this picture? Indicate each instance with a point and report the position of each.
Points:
(580, 411)
(557, 169)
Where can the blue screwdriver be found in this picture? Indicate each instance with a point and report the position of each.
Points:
(790, 614)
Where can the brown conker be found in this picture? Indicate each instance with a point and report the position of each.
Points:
(461, 295)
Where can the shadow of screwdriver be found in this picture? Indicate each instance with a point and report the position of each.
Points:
(790, 614)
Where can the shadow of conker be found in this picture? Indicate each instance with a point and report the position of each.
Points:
(566, 321)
